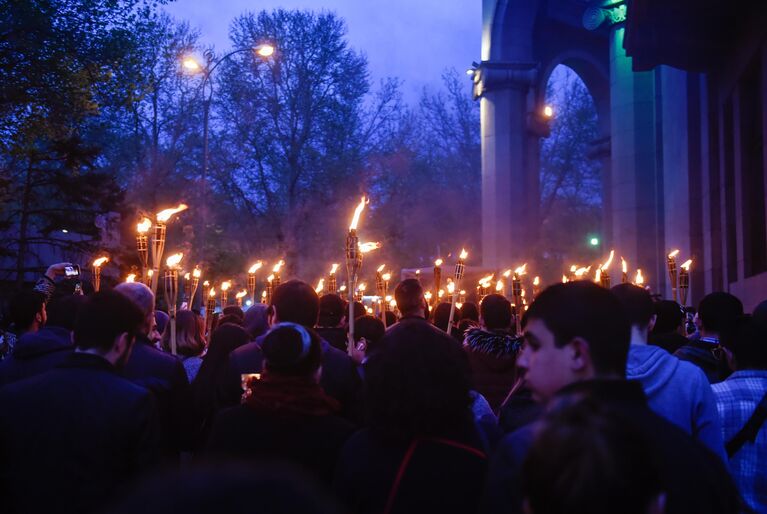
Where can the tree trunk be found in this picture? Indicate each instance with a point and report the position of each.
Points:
(26, 198)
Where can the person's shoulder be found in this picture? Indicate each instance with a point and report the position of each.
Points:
(250, 348)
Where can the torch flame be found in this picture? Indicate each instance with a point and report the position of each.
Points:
(333, 269)
(438, 263)
(277, 266)
(582, 271)
(342, 288)
(98, 262)
(687, 264)
(173, 260)
(598, 274)
(521, 270)
(386, 276)
(427, 295)
(241, 294)
(609, 260)
(150, 273)
(206, 283)
(270, 278)
(358, 213)
(507, 273)
(263, 294)
(624, 266)
(164, 216)
(212, 292)
(381, 268)
(369, 247)
(499, 285)
(537, 281)
(639, 279)
(573, 268)
(673, 254)
(451, 287)
(144, 226)
(131, 278)
(187, 276)
(197, 273)
(320, 286)
(225, 285)
(464, 254)
(255, 267)
(362, 286)
(564, 279)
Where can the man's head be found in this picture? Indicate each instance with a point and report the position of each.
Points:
(717, 312)
(331, 311)
(27, 311)
(62, 311)
(107, 325)
(233, 310)
(296, 302)
(292, 349)
(746, 341)
(409, 297)
(669, 317)
(637, 304)
(470, 311)
(442, 316)
(495, 312)
(574, 331)
(143, 298)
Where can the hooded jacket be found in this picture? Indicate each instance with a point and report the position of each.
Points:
(492, 358)
(36, 353)
(678, 391)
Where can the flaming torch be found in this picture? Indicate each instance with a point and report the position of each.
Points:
(625, 271)
(361, 291)
(130, 278)
(536, 286)
(639, 279)
(684, 281)
(142, 245)
(269, 290)
(516, 294)
(196, 274)
(187, 285)
(252, 279)
(671, 261)
(158, 243)
(205, 291)
(320, 286)
(437, 274)
(353, 265)
(96, 268)
(386, 277)
(171, 294)
(332, 283)
(276, 271)
(210, 308)
(460, 268)
(605, 271)
(239, 296)
(225, 286)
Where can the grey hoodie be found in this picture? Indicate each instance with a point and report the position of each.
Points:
(678, 391)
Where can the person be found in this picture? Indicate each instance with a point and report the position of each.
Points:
(286, 416)
(331, 325)
(442, 318)
(215, 365)
(470, 311)
(79, 431)
(676, 390)
(716, 312)
(420, 450)
(296, 302)
(492, 350)
(742, 402)
(413, 309)
(234, 310)
(577, 338)
(255, 321)
(190, 343)
(587, 458)
(161, 373)
(669, 331)
(371, 330)
(37, 352)
(27, 315)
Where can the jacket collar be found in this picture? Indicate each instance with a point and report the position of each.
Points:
(81, 360)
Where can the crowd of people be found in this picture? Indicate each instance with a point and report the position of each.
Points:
(608, 402)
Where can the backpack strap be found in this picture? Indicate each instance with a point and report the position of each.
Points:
(750, 429)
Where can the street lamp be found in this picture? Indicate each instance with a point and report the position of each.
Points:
(191, 65)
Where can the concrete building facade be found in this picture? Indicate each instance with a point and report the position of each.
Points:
(680, 92)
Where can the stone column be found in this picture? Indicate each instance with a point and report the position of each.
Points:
(509, 161)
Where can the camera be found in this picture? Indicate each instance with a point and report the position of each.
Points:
(72, 271)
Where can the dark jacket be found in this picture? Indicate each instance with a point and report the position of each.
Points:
(424, 475)
(72, 437)
(164, 375)
(310, 442)
(703, 355)
(694, 478)
(492, 359)
(519, 409)
(36, 353)
(339, 376)
(335, 336)
(670, 341)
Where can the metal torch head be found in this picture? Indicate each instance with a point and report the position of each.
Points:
(460, 267)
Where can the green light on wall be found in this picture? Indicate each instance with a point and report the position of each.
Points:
(594, 241)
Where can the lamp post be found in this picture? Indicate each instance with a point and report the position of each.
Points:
(189, 63)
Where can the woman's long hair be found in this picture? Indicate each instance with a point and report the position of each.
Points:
(189, 339)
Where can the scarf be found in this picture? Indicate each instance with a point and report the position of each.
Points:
(290, 395)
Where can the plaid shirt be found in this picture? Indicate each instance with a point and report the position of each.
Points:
(736, 399)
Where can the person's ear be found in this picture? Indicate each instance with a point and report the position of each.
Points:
(580, 355)
(653, 320)
(122, 344)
